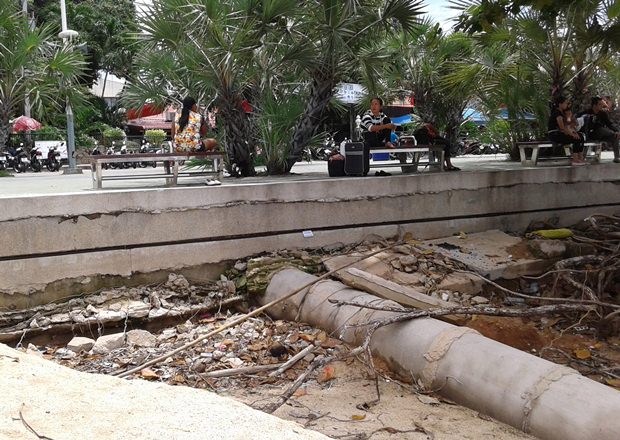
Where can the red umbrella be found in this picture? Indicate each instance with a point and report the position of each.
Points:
(24, 123)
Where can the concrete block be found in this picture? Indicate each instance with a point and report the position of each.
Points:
(141, 338)
(107, 343)
(80, 343)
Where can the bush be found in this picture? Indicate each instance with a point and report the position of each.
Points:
(113, 135)
(155, 137)
(96, 129)
(498, 132)
(49, 133)
(83, 141)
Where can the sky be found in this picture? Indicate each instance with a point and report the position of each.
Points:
(439, 11)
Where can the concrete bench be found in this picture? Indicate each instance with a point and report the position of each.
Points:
(592, 151)
(436, 159)
(171, 166)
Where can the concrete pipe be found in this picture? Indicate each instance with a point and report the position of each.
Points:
(539, 397)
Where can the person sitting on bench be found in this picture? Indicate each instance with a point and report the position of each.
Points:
(427, 135)
(601, 129)
(376, 130)
(189, 129)
(561, 130)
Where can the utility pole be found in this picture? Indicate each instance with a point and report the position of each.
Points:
(67, 35)
(31, 25)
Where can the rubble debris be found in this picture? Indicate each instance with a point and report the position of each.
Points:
(107, 343)
(79, 344)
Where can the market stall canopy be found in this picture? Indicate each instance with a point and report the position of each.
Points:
(160, 121)
(24, 123)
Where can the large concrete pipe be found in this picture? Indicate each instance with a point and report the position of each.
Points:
(541, 398)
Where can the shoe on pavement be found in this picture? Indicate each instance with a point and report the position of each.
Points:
(213, 182)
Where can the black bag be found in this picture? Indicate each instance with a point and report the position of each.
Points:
(335, 165)
(354, 159)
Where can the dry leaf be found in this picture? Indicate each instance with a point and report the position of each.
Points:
(300, 392)
(307, 338)
(322, 336)
(256, 347)
(148, 374)
(294, 337)
(179, 378)
(326, 374)
(331, 343)
(613, 382)
(427, 400)
(358, 416)
(582, 353)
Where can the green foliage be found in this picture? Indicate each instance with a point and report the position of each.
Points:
(52, 70)
(155, 137)
(85, 142)
(498, 132)
(113, 135)
(107, 27)
(96, 129)
(5, 173)
(49, 133)
(276, 123)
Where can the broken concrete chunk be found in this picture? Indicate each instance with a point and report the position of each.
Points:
(111, 315)
(547, 248)
(80, 343)
(141, 338)
(241, 266)
(408, 260)
(107, 343)
(138, 309)
(479, 300)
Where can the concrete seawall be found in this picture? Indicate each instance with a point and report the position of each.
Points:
(68, 242)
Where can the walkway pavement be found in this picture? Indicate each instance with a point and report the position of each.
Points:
(34, 184)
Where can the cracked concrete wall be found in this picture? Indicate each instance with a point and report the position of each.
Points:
(120, 233)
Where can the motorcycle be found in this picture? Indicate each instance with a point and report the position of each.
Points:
(53, 159)
(96, 152)
(35, 160)
(143, 150)
(109, 152)
(126, 164)
(3, 160)
(20, 160)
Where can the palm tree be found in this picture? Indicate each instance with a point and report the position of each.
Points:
(218, 51)
(420, 64)
(32, 64)
(331, 42)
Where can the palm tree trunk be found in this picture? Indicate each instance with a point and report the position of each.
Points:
(5, 126)
(321, 91)
(239, 139)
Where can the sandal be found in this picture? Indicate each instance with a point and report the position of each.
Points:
(382, 173)
(453, 168)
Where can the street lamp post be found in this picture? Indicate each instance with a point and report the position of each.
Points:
(67, 35)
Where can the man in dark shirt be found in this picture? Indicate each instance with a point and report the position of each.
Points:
(601, 128)
(376, 130)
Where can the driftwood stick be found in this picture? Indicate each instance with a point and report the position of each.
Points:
(292, 361)
(30, 428)
(407, 314)
(240, 371)
(245, 317)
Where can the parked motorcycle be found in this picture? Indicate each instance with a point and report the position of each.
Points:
(3, 160)
(109, 152)
(145, 149)
(35, 160)
(126, 164)
(20, 161)
(53, 159)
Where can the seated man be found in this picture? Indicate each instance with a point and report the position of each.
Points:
(427, 135)
(376, 130)
(601, 129)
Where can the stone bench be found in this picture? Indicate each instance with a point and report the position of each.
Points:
(594, 148)
(436, 159)
(171, 166)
